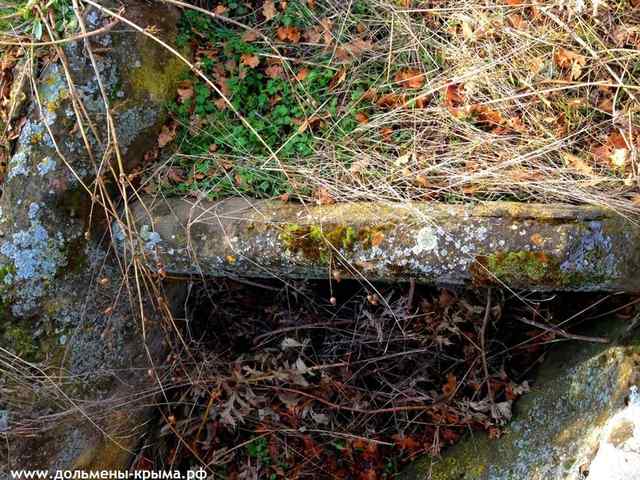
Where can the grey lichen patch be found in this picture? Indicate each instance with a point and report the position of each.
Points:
(592, 252)
(35, 133)
(426, 240)
(52, 91)
(46, 166)
(19, 163)
(34, 258)
(152, 239)
(132, 121)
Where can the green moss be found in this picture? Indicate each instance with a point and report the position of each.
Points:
(464, 462)
(528, 268)
(158, 74)
(535, 266)
(516, 267)
(317, 242)
(20, 340)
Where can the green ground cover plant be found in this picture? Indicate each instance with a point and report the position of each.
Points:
(406, 100)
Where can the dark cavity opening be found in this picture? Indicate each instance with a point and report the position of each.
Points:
(330, 379)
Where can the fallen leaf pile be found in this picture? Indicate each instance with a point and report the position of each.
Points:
(290, 385)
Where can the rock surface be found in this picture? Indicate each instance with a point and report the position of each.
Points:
(574, 421)
(71, 391)
(544, 247)
(618, 456)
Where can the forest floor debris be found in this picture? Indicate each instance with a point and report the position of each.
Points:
(455, 101)
(340, 381)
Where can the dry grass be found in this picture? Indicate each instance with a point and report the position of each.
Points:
(529, 102)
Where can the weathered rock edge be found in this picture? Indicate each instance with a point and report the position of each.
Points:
(542, 247)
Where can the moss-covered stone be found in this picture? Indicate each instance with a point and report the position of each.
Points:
(157, 74)
(317, 243)
(556, 426)
(534, 268)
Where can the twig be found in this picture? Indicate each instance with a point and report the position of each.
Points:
(412, 291)
(406, 408)
(310, 326)
(563, 333)
(483, 343)
(61, 41)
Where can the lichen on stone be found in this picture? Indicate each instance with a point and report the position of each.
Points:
(46, 166)
(18, 163)
(151, 238)
(426, 240)
(592, 253)
(35, 258)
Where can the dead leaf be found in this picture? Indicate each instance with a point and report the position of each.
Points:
(327, 25)
(537, 239)
(167, 135)
(491, 118)
(616, 140)
(517, 21)
(311, 449)
(386, 133)
(338, 78)
(391, 100)
(348, 51)
(302, 74)
(251, 61)
(323, 197)
(359, 166)
(185, 90)
(250, 36)
(410, 78)
(446, 298)
(269, 9)
(377, 239)
(175, 175)
(274, 71)
(606, 104)
(422, 181)
(569, 60)
(453, 95)
(578, 164)
(221, 104)
(312, 35)
(220, 76)
(289, 34)
(450, 387)
(362, 118)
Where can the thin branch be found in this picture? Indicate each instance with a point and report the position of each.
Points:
(563, 333)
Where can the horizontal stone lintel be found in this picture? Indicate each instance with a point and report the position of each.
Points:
(531, 246)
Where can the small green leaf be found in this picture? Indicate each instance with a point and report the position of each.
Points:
(37, 30)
